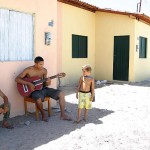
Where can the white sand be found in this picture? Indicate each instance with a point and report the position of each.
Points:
(119, 120)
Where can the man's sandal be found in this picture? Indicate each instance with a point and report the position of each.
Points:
(7, 126)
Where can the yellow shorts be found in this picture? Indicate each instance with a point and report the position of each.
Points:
(84, 100)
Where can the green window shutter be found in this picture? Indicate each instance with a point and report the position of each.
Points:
(82, 47)
(75, 46)
(142, 47)
(79, 46)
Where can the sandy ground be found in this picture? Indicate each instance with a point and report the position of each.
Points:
(119, 120)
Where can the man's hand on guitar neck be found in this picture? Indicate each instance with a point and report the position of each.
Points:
(48, 82)
(31, 85)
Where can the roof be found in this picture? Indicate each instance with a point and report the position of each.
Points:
(80, 4)
(92, 8)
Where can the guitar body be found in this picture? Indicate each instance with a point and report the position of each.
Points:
(24, 89)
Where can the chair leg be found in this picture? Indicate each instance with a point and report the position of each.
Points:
(49, 109)
(37, 113)
(25, 107)
(36, 109)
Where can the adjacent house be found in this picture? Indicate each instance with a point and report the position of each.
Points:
(69, 34)
(115, 43)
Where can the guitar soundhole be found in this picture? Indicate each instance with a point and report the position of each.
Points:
(25, 88)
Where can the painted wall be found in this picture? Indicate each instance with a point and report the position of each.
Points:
(80, 22)
(142, 65)
(107, 26)
(43, 12)
(59, 37)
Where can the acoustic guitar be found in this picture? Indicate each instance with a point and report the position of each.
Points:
(25, 90)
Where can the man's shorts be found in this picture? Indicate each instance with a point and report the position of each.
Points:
(84, 100)
(45, 92)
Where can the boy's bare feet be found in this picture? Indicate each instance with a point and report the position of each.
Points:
(77, 121)
(85, 119)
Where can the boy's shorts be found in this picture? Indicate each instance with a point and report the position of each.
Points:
(84, 100)
(50, 92)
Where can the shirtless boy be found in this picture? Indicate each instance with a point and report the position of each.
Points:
(38, 70)
(85, 91)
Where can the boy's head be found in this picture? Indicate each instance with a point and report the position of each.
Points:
(39, 62)
(86, 70)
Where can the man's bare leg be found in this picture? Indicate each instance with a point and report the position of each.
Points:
(62, 107)
(78, 116)
(39, 105)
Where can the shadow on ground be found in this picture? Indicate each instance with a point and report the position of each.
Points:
(38, 133)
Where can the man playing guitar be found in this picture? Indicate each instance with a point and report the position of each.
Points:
(38, 95)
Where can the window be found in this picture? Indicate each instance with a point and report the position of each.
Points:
(142, 47)
(79, 46)
(16, 36)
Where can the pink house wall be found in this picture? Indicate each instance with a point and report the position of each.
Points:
(44, 11)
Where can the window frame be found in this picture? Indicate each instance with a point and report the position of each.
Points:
(79, 46)
(142, 47)
(19, 42)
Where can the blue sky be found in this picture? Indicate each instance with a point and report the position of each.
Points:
(123, 5)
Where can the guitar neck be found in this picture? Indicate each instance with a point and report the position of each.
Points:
(45, 79)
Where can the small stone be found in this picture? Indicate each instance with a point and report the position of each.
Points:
(27, 123)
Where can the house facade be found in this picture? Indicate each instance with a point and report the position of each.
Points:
(78, 26)
(23, 28)
(122, 47)
(117, 50)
